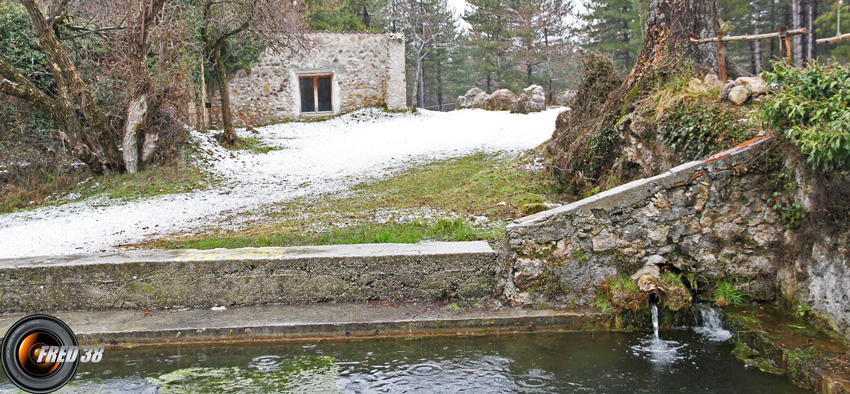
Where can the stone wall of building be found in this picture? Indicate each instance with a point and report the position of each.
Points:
(367, 70)
(709, 220)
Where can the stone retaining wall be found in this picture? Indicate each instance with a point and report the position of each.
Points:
(190, 278)
(702, 217)
(709, 220)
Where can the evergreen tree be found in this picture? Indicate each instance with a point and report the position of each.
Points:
(616, 27)
(491, 37)
(828, 27)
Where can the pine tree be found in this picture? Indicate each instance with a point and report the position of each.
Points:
(616, 27)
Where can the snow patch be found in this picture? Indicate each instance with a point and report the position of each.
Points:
(318, 158)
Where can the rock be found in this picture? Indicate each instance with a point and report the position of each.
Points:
(474, 98)
(500, 100)
(739, 95)
(604, 241)
(565, 99)
(711, 79)
(677, 297)
(756, 85)
(532, 99)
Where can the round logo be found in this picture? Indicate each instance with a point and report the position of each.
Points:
(39, 354)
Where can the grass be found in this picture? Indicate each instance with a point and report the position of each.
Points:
(414, 232)
(256, 145)
(731, 294)
(679, 88)
(52, 186)
(436, 201)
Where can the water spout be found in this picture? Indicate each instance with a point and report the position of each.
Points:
(655, 328)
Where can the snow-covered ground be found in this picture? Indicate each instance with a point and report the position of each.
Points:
(317, 158)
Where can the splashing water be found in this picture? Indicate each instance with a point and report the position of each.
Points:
(661, 353)
(712, 327)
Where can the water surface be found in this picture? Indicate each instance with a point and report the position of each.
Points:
(583, 362)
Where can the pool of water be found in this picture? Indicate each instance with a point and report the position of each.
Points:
(682, 361)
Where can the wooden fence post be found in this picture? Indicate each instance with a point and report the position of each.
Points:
(721, 56)
(784, 44)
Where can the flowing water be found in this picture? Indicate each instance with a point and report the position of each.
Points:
(712, 325)
(577, 362)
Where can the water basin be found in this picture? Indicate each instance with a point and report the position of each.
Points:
(576, 362)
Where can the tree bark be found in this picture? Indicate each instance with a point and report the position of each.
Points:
(812, 37)
(757, 30)
(143, 103)
(226, 116)
(797, 17)
(669, 26)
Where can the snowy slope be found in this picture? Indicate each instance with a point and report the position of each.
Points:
(317, 158)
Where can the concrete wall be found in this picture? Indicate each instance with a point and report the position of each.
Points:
(367, 70)
(191, 278)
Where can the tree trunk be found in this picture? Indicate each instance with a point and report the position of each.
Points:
(439, 87)
(797, 41)
(421, 86)
(812, 37)
(587, 141)
(226, 116)
(669, 25)
(143, 104)
(16, 85)
(416, 75)
(73, 95)
(757, 30)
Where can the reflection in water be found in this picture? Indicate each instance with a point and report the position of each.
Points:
(583, 362)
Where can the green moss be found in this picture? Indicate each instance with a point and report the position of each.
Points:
(581, 256)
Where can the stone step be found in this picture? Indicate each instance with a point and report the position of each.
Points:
(313, 321)
(248, 276)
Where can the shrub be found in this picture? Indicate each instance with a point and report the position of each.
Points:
(809, 105)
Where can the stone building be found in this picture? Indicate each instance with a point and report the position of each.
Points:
(338, 73)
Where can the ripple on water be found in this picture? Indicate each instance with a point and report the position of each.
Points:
(134, 386)
(268, 363)
(425, 369)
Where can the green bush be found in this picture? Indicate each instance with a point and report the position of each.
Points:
(20, 49)
(809, 105)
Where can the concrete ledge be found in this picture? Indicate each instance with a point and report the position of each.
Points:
(344, 320)
(251, 276)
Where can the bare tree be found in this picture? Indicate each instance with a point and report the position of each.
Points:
(428, 25)
(100, 150)
(143, 103)
(278, 24)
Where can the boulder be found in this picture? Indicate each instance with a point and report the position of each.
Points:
(739, 94)
(565, 99)
(756, 85)
(474, 98)
(500, 100)
(532, 99)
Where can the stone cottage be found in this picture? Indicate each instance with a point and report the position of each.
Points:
(338, 73)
